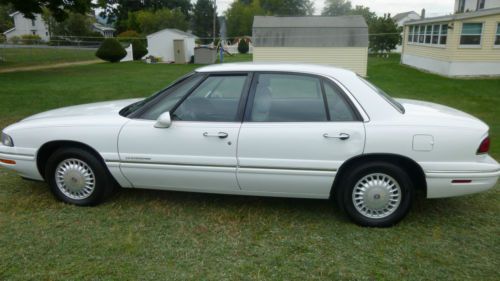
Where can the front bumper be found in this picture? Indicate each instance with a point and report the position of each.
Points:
(21, 160)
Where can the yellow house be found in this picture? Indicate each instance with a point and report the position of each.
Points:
(459, 45)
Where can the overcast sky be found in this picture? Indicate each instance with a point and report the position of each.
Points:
(433, 7)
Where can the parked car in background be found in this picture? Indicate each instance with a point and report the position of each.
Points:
(284, 130)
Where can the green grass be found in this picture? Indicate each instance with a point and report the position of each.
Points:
(20, 57)
(153, 235)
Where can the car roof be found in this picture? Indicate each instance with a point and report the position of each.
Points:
(325, 70)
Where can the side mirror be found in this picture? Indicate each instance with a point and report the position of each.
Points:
(164, 120)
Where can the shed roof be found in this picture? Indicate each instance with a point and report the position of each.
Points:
(314, 31)
(174, 30)
(309, 22)
(461, 16)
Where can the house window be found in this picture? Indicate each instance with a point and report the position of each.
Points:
(32, 22)
(497, 37)
(428, 33)
(480, 4)
(435, 34)
(421, 34)
(471, 34)
(444, 34)
(461, 6)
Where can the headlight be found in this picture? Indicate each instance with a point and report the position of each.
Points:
(7, 140)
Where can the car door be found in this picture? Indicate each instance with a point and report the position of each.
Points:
(198, 151)
(298, 130)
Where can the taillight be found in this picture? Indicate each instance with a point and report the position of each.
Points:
(484, 147)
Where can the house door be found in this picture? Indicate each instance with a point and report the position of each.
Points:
(180, 54)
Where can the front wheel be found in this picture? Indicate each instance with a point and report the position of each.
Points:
(376, 194)
(77, 177)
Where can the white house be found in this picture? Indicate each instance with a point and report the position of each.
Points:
(463, 6)
(105, 31)
(23, 26)
(171, 45)
(400, 19)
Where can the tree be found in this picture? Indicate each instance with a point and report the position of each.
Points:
(385, 34)
(239, 17)
(6, 22)
(243, 46)
(203, 16)
(120, 11)
(336, 8)
(138, 49)
(60, 9)
(288, 7)
(365, 12)
(149, 22)
(74, 25)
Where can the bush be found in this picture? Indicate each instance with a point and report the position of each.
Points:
(14, 39)
(30, 39)
(111, 50)
(127, 35)
(2, 38)
(243, 46)
(139, 50)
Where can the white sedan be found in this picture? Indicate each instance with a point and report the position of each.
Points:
(286, 130)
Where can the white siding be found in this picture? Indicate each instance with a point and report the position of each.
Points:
(161, 44)
(25, 26)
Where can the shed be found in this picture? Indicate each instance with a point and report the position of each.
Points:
(339, 41)
(171, 45)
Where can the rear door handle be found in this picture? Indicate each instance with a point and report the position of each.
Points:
(341, 136)
(221, 135)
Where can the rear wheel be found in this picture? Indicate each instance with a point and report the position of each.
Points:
(376, 194)
(77, 177)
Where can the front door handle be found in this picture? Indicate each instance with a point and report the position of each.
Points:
(341, 136)
(221, 135)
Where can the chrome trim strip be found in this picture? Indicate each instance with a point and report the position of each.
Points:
(17, 154)
(221, 166)
(286, 168)
(463, 172)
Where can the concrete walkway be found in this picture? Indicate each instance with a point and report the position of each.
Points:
(48, 66)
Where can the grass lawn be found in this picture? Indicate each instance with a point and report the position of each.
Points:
(18, 57)
(151, 235)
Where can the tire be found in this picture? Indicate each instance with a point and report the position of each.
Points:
(365, 192)
(83, 179)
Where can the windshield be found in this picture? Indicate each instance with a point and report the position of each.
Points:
(384, 95)
(130, 109)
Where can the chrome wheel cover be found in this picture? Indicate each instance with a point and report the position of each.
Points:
(75, 179)
(376, 195)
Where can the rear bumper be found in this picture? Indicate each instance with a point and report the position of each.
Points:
(440, 184)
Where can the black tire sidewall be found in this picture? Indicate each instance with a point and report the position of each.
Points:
(407, 193)
(102, 182)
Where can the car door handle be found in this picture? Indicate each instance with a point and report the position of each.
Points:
(341, 136)
(221, 135)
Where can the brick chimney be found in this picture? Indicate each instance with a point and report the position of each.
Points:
(422, 15)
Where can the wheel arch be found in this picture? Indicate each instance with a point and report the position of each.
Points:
(414, 170)
(49, 148)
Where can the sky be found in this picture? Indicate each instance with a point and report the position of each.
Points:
(433, 8)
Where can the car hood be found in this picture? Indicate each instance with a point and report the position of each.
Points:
(91, 109)
(438, 114)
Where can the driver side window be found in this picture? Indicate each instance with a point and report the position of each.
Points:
(216, 99)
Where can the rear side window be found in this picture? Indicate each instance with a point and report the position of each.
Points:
(288, 98)
(339, 108)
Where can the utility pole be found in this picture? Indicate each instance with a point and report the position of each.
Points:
(215, 18)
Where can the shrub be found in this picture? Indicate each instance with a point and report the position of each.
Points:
(139, 50)
(111, 50)
(127, 35)
(30, 39)
(2, 38)
(243, 46)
